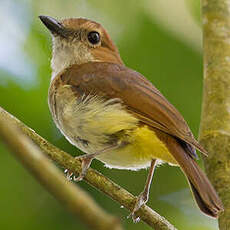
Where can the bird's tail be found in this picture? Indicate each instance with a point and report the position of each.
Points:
(203, 191)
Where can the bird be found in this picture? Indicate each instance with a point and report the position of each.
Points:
(115, 115)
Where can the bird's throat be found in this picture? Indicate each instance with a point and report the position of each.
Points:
(67, 53)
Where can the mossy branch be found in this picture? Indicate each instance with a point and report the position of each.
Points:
(93, 177)
(74, 198)
(215, 124)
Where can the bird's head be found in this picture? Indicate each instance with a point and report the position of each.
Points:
(78, 41)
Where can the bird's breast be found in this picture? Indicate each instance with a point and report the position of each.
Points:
(88, 121)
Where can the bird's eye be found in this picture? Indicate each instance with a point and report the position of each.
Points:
(94, 37)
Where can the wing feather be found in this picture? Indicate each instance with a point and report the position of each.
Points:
(139, 96)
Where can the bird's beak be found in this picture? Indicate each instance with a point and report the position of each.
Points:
(54, 26)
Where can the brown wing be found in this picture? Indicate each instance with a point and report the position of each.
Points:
(140, 97)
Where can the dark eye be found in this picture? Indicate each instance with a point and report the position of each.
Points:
(94, 37)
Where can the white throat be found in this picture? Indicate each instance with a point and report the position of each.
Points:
(67, 53)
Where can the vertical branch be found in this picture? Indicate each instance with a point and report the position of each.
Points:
(215, 123)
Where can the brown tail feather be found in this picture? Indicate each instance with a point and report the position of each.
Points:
(204, 193)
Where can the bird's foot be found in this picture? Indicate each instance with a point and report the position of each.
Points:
(141, 200)
(68, 174)
(85, 164)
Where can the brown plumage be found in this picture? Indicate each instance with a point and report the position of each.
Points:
(103, 74)
(144, 101)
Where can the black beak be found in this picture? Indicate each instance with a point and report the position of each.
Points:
(54, 26)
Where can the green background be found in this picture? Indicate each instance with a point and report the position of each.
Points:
(25, 52)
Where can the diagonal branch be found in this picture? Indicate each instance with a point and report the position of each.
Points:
(93, 177)
(74, 198)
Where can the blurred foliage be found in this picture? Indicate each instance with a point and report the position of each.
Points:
(174, 67)
(195, 9)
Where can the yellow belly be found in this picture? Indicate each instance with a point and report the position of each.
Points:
(143, 146)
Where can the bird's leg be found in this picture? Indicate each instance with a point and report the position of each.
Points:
(143, 196)
(87, 159)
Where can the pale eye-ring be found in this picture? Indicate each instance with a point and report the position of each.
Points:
(94, 37)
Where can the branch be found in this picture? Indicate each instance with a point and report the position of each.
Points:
(74, 198)
(93, 177)
(215, 125)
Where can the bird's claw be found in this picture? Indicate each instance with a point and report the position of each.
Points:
(79, 178)
(141, 200)
(86, 161)
(68, 174)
